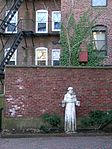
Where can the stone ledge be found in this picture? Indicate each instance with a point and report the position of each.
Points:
(54, 135)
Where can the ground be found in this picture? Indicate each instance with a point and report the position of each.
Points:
(90, 142)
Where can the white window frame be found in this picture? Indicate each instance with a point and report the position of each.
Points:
(98, 4)
(42, 11)
(15, 55)
(12, 21)
(103, 30)
(36, 59)
(52, 54)
(54, 12)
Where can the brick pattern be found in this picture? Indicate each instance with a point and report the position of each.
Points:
(105, 18)
(33, 91)
(27, 13)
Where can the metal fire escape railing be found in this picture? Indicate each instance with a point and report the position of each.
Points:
(13, 47)
(10, 14)
(15, 39)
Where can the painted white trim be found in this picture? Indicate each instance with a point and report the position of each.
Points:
(42, 11)
(53, 12)
(16, 21)
(41, 48)
(15, 57)
(52, 54)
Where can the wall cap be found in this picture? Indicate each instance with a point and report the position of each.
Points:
(60, 67)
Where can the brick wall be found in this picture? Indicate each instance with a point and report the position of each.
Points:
(27, 11)
(78, 7)
(33, 91)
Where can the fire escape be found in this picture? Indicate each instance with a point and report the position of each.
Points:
(17, 37)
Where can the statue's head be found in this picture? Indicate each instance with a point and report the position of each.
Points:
(70, 90)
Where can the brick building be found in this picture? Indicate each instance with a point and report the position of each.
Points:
(29, 35)
(102, 32)
(32, 32)
(30, 29)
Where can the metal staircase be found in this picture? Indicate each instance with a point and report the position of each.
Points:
(13, 47)
(16, 39)
(10, 15)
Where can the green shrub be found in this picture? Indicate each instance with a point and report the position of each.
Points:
(85, 122)
(52, 123)
(97, 119)
(53, 120)
(44, 128)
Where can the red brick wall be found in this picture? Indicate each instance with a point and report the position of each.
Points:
(37, 90)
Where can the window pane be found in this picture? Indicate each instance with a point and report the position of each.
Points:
(11, 63)
(11, 27)
(99, 35)
(101, 53)
(56, 54)
(13, 58)
(100, 45)
(55, 57)
(99, 39)
(57, 25)
(56, 63)
(98, 2)
(41, 63)
(41, 21)
(14, 19)
(56, 18)
(41, 54)
(41, 26)
(13, 22)
(42, 17)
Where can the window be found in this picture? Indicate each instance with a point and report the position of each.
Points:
(13, 60)
(41, 57)
(55, 57)
(11, 28)
(99, 2)
(99, 39)
(41, 21)
(56, 21)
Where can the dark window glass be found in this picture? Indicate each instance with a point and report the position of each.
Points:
(41, 63)
(11, 27)
(41, 26)
(56, 63)
(57, 25)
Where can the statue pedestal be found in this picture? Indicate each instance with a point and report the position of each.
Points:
(68, 132)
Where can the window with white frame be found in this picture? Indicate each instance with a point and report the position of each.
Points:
(99, 2)
(55, 57)
(99, 39)
(41, 56)
(13, 60)
(12, 26)
(56, 20)
(41, 21)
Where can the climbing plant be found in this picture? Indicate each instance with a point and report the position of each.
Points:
(73, 35)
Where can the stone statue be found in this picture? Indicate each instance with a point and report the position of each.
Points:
(69, 102)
